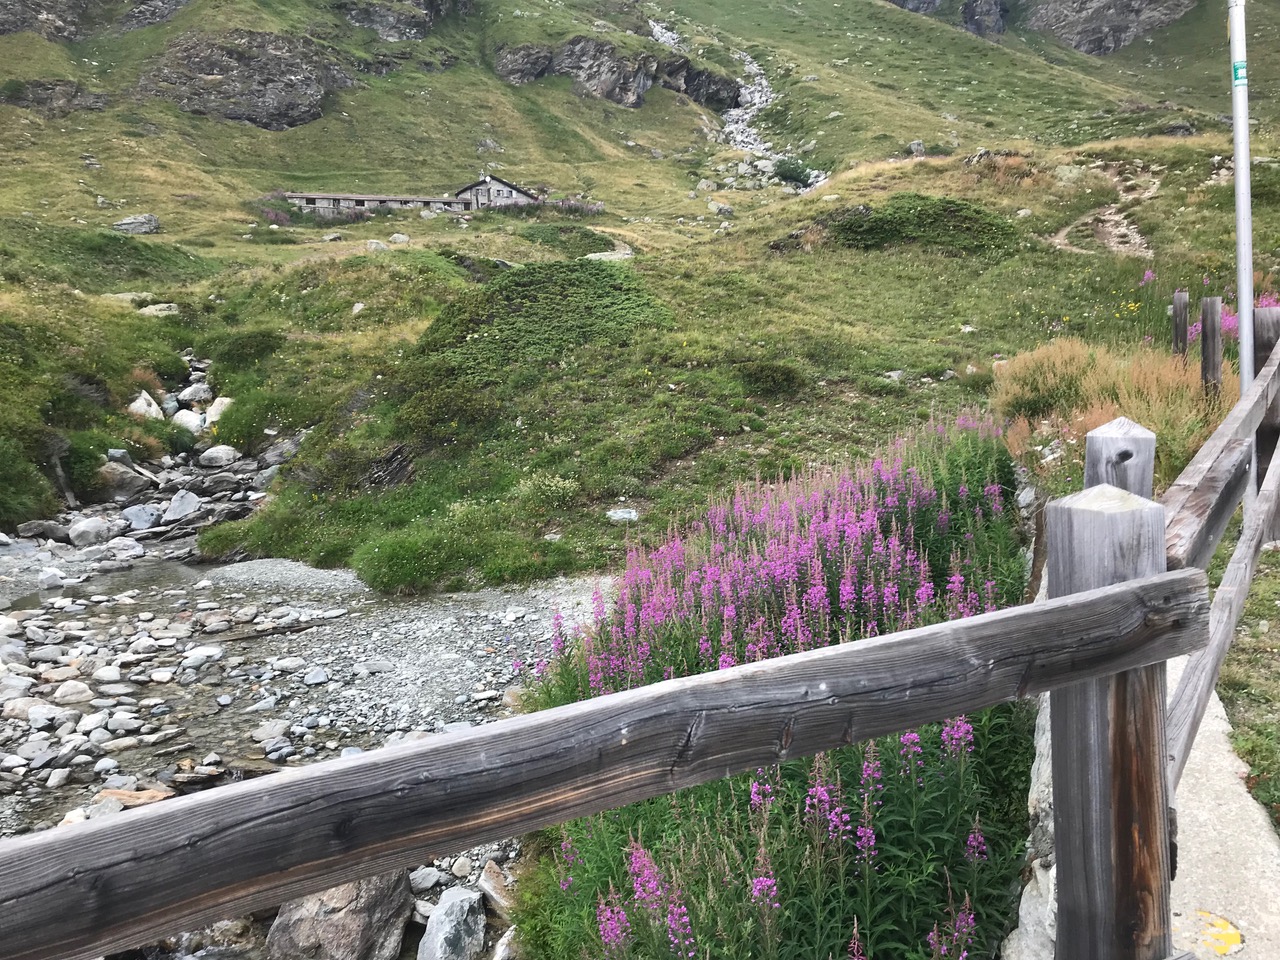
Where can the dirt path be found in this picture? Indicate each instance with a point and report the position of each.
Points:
(1111, 227)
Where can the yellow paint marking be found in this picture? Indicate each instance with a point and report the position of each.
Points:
(1219, 934)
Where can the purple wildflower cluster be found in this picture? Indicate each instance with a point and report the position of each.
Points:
(823, 804)
(786, 568)
(653, 895)
(975, 848)
(957, 736)
(952, 939)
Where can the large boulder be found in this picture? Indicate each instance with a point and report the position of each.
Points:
(216, 409)
(364, 920)
(138, 223)
(90, 530)
(118, 482)
(455, 930)
(269, 80)
(220, 456)
(183, 505)
(51, 19)
(188, 420)
(145, 405)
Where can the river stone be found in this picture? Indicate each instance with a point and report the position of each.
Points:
(72, 691)
(11, 687)
(50, 578)
(196, 393)
(188, 420)
(90, 530)
(455, 930)
(9, 627)
(137, 224)
(184, 504)
(364, 920)
(493, 884)
(20, 708)
(269, 730)
(142, 516)
(316, 677)
(146, 406)
(505, 949)
(423, 879)
(220, 456)
(217, 409)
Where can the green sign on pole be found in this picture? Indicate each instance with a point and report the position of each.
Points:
(1239, 74)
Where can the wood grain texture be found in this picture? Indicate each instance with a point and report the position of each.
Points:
(1191, 698)
(1211, 345)
(76, 892)
(1266, 334)
(1110, 796)
(1197, 514)
(1121, 453)
(1181, 311)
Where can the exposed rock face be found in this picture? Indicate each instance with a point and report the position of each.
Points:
(139, 223)
(270, 81)
(596, 67)
(147, 12)
(1104, 26)
(51, 19)
(599, 69)
(53, 98)
(985, 17)
(711, 89)
(918, 6)
(402, 21)
(357, 921)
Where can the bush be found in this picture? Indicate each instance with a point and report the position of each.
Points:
(792, 170)
(942, 223)
(240, 348)
(24, 493)
(573, 241)
(770, 378)
(543, 492)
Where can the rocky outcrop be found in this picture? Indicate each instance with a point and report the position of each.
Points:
(1104, 26)
(599, 69)
(52, 98)
(145, 13)
(394, 21)
(985, 17)
(711, 89)
(265, 79)
(918, 6)
(51, 19)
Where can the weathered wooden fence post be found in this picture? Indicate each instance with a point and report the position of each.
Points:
(1211, 344)
(1181, 308)
(1266, 333)
(1123, 454)
(1110, 790)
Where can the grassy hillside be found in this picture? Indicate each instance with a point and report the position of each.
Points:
(777, 338)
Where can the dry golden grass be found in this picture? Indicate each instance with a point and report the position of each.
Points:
(1054, 395)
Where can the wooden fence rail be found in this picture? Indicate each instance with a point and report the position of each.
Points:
(77, 891)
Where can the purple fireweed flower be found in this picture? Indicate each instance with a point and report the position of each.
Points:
(649, 886)
(856, 952)
(872, 780)
(726, 661)
(911, 756)
(614, 926)
(866, 838)
(823, 807)
(761, 792)
(957, 736)
(764, 886)
(679, 929)
(975, 848)
(1147, 277)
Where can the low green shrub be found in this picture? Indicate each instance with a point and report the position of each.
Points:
(940, 223)
(24, 492)
(770, 378)
(569, 239)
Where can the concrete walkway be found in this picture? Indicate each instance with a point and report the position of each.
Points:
(1226, 898)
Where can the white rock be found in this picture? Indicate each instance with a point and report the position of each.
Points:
(455, 930)
(196, 393)
(506, 946)
(183, 504)
(357, 307)
(373, 246)
(622, 514)
(219, 456)
(89, 531)
(216, 409)
(72, 691)
(188, 420)
(398, 238)
(146, 406)
(160, 310)
(51, 578)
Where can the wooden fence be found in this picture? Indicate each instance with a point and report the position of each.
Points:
(1099, 646)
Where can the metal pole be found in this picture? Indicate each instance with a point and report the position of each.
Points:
(1244, 212)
